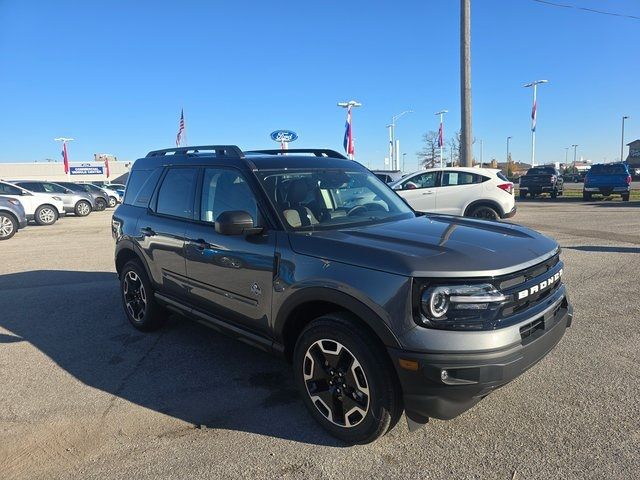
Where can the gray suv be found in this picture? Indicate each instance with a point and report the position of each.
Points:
(79, 203)
(12, 217)
(99, 198)
(379, 308)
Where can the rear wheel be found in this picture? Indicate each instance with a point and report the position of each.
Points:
(82, 208)
(523, 194)
(554, 193)
(101, 204)
(8, 226)
(485, 212)
(346, 380)
(138, 301)
(46, 215)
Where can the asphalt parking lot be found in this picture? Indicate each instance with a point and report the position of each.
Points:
(84, 395)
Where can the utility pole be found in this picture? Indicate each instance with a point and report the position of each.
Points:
(575, 149)
(481, 151)
(534, 117)
(622, 143)
(403, 160)
(508, 140)
(466, 140)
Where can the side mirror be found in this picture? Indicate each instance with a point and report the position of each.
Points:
(66, 190)
(398, 187)
(24, 193)
(236, 222)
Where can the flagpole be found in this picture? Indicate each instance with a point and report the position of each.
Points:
(349, 147)
(534, 117)
(186, 142)
(441, 137)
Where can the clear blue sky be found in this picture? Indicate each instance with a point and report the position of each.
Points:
(114, 74)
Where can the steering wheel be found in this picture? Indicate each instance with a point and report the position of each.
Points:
(356, 209)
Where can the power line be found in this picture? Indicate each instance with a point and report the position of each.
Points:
(585, 9)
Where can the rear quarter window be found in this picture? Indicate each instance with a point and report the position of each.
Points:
(140, 187)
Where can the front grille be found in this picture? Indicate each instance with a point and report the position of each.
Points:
(523, 281)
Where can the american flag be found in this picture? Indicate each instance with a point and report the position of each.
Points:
(179, 137)
(534, 111)
(65, 157)
(348, 135)
(441, 135)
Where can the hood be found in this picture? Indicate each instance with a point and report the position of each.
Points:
(431, 246)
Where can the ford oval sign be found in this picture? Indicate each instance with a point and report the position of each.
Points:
(284, 136)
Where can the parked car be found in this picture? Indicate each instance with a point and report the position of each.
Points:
(573, 177)
(12, 217)
(379, 309)
(114, 195)
(541, 180)
(388, 176)
(607, 179)
(78, 203)
(100, 199)
(42, 208)
(471, 192)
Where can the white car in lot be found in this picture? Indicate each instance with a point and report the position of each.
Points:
(470, 192)
(44, 209)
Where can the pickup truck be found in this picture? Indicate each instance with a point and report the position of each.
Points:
(607, 179)
(541, 180)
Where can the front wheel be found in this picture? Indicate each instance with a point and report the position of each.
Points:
(8, 226)
(141, 308)
(112, 202)
(346, 380)
(82, 208)
(101, 204)
(46, 215)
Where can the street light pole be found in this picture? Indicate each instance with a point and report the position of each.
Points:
(622, 143)
(575, 149)
(508, 140)
(394, 159)
(403, 160)
(566, 156)
(349, 106)
(534, 115)
(481, 151)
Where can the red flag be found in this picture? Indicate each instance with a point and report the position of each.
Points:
(65, 157)
(106, 164)
(441, 135)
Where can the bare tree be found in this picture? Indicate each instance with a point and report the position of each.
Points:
(454, 148)
(429, 156)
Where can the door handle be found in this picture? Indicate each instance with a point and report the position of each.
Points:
(427, 193)
(200, 244)
(147, 231)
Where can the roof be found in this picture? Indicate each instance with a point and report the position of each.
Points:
(253, 159)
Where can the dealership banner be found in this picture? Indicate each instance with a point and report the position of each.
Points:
(87, 169)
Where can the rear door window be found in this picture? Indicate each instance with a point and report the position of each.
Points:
(176, 194)
(458, 178)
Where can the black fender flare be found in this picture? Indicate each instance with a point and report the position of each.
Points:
(487, 202)
(128, 245)
(340, 299)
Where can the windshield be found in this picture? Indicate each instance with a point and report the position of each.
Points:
(314, 199)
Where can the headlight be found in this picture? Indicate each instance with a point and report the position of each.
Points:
(444, 303)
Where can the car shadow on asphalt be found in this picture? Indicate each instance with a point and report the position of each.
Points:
(184, 370)
(604, 249)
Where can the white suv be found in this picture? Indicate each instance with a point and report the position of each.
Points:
(42, 208)
(470, 192)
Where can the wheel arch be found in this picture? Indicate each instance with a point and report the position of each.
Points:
(484, 202)
(127, 253)
(310, 303)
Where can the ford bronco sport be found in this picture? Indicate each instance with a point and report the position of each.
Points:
(379, 309)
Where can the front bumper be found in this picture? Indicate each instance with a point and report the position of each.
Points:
(470, 376)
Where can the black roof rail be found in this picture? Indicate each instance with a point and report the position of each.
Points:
(318, 152)
(220, 151)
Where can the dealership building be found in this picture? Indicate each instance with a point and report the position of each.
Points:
(78, 171)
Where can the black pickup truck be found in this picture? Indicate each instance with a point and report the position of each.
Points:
(541, 180)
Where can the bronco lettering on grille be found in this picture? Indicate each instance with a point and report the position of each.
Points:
(541, 286)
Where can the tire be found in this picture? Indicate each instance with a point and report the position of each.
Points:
(361, 364)
(113, 201)
(554, 193)
(138, 301)
(523, 194)
(625, 197)
(82, 208)
(586, 196)
(8, 226)
(484, 212)
(46, 215)
(101, 204)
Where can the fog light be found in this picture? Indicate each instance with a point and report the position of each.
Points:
(444, 375)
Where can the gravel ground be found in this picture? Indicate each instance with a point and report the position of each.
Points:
(84, 395)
